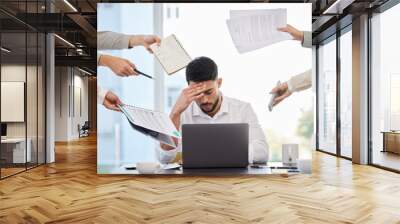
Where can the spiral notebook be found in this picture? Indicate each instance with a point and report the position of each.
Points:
(171, 54)
(155, 124)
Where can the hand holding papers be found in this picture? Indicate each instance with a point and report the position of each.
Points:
(254, 29)
(171, 54)
(154, 124)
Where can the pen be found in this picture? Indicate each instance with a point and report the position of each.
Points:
(283, 167)
(141, 73)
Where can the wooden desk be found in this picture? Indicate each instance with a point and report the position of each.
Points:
(265, 170)
(16, 154)
(391, 142)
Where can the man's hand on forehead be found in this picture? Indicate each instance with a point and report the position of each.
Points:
(201, 86)
(197, 88)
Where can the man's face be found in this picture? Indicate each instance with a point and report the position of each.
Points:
(209, 101)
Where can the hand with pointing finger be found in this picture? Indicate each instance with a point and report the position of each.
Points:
(119, 66)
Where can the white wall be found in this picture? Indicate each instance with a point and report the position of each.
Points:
(70, 83)
(33, 125)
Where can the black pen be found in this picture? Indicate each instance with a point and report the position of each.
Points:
(141, 73)
(284, 167)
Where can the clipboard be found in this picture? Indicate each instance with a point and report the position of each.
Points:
(153, 129)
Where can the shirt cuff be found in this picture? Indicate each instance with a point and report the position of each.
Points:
(166, 156)
(307, 39)
(98, 58)
(101, 94)
(125, 41)
(290, 86)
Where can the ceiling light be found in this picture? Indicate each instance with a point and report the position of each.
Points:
(5, 50)
(84, 71)
(338, 6)
(70, 5)
(65, 41)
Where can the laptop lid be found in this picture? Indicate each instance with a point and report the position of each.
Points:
(215, 145)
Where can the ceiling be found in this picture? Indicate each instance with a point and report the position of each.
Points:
(75, 21)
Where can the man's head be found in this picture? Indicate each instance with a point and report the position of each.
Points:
(204, 70)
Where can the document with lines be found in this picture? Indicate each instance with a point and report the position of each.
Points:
(171, 54)
(151, 123)
(254, 29)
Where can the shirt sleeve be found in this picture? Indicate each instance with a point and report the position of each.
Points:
(98, 58)
(165, 156)
(307, 39)
(108, 40)
(101, 94)
(258, 146)
(300, 82)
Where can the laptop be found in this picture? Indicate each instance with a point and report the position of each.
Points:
(215, 145)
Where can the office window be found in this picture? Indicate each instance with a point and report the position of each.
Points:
(385, 87)
(327, 96)
(117, 141)
(23, 89)
(346, 94)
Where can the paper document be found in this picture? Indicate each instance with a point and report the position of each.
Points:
(170, 166)
(254, 29)
(171, 55)
(152, 123)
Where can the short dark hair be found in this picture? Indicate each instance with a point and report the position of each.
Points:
(201, 69)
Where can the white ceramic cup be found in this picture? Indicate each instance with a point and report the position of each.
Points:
(147, 167)
(304, 165)
(290, 154)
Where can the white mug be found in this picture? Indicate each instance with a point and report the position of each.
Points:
(304, 165)
(290, 154)
(147, 167)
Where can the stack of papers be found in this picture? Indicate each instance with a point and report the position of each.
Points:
(254, 29)
(171, 54)
(152, 123)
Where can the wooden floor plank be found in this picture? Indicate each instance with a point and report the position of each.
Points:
(70, 191)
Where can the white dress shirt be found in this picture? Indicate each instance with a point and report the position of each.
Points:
(231, 111)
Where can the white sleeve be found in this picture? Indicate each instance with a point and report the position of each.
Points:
(164, 156)
(307, 39)
(300, 82)
(101, 94)
(258, 146)
(98, 58)
(111, 40)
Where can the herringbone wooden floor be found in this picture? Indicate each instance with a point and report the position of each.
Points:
(70, 191)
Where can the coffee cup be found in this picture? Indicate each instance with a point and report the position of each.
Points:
(147, 167)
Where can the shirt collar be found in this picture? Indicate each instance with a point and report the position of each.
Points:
(223, 109)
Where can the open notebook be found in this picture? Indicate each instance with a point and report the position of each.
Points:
(155, 124)
(171, 55)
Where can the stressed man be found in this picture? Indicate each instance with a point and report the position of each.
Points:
(202, 103)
